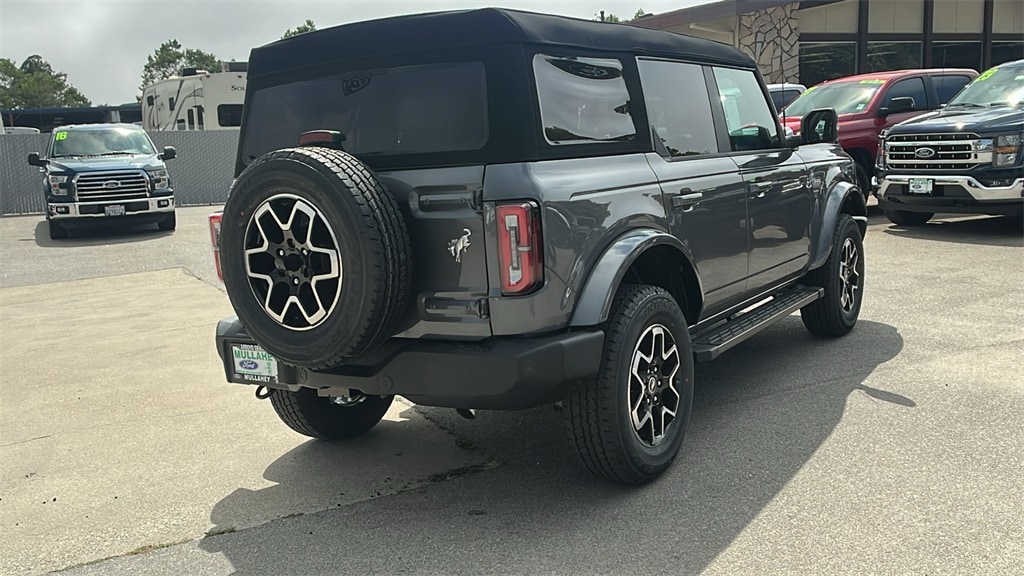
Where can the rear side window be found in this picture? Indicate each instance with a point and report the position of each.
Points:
(582, 100)
(748, 117)
(912, 88)
(948, 86)
(387, 112)
(678, 108)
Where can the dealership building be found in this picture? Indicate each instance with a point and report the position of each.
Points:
(809, 41)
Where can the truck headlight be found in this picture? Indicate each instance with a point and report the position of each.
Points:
(56, 180)
(160, 179)
(1007, 150)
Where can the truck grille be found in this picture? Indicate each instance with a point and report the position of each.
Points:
(935, 151)
(111, 186)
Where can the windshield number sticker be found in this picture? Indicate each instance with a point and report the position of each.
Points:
(872, 81)
(985, 75)
(60, 136)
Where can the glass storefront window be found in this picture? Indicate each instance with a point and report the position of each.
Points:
(1006, 52)
(956, 55)
(820, 61)
(883, 56)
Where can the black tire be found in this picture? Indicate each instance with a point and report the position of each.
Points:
(346, 207)
(57, 232)
(904, 218)
(598, 415)
(320, 417)
(168, 223)
(835, 315)
(863, 179)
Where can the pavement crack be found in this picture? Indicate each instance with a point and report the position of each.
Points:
(24, 441)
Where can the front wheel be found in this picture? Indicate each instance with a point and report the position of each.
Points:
(842, 277)
(627, 426)
(329, 418)
(904, 218)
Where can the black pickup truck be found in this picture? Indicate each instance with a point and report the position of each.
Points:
(965, 158)
(494, 209)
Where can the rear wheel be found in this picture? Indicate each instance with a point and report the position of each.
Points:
(57, 232)
(904, 218)
(628, 426)
(329, 418)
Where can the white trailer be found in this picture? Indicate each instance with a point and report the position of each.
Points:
(196, 100)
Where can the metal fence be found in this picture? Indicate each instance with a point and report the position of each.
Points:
(201, 173)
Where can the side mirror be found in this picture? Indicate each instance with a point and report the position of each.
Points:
(35, 160)
(169, 153)
(898, 105)
(820, 126)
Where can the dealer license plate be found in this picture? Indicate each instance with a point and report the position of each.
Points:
(919, 186)
(115, 210)
(251, 364)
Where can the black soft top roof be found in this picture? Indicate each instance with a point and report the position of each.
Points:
(455, 30)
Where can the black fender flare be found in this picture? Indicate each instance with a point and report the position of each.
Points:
(841, 198)
(595, 300)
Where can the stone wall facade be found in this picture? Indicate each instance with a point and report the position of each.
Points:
(771, 37)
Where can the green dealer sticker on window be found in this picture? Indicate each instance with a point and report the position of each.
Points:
(60, 135)
(985, 75)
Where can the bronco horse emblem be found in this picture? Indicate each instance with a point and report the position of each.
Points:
(459, 245)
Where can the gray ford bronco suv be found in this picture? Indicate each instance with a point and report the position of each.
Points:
(492, 209)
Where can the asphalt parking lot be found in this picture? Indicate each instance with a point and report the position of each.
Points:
(895, 450)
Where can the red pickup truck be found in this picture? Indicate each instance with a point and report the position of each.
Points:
(869, 103)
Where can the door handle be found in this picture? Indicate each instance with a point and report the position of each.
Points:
(760, 188)
(687, 201)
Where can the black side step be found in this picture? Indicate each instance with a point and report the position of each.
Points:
(710, 344)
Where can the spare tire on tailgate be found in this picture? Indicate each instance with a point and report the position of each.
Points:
(315, 256)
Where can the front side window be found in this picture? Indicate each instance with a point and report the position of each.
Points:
(909, 88)
(385, 112)
(582, 100)
(678, 108)
(101, 142)
(749, 119)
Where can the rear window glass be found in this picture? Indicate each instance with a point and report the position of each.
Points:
(582, 100)
(388, 112)
(229, 114)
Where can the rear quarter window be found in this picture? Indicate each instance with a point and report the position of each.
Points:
(582, 100)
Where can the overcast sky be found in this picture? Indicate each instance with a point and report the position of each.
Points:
(102, 44)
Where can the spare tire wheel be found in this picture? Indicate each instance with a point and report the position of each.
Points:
(315, 256)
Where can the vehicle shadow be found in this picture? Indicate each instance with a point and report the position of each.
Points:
(982, 230)
(761, 412)
(97, 234)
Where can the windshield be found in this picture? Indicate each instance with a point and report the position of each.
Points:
(1002, 86)
(101, 142)
(845, 97)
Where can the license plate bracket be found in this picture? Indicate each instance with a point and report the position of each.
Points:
(248, 363)
(114, 210)
(920, 186)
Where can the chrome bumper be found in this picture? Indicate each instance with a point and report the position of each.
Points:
(159, 204)
(978, 191)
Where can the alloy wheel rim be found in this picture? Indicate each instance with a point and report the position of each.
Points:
(653, 396)
(292, 262)
(849, 276)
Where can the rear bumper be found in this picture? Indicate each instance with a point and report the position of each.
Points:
(495, 374)
(952, 194)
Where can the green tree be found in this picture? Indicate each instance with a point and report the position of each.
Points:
(638, 14)
(36, 85)
(307, 26)
(609, 17)
(168, 60)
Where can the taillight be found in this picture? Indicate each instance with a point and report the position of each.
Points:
(215, 241)
(520, 252)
